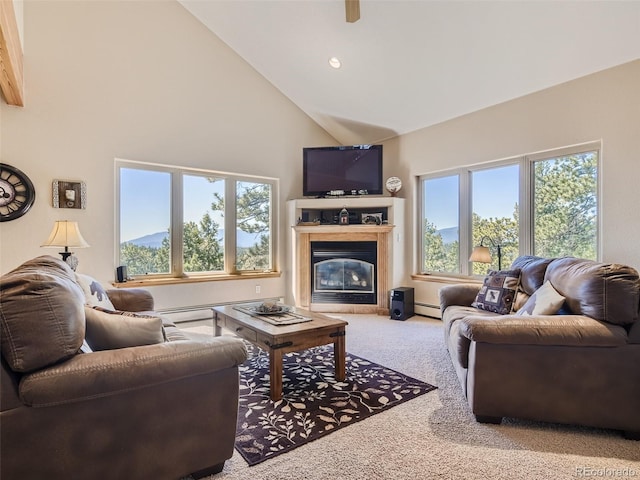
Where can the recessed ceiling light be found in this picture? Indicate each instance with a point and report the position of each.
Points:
(335, 62)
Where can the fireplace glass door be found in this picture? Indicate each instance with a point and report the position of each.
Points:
(343, 272)
(338, 275)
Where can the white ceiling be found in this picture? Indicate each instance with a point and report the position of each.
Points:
(412, 64)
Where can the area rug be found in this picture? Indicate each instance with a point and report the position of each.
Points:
(314, 404)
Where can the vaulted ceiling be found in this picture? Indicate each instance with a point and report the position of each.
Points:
(411, 64)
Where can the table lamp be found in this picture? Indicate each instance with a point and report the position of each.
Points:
(66, 234)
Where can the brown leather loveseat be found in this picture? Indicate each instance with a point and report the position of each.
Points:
(577, 366)
(164, 408)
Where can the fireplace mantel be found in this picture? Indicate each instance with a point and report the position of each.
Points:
(387, 237)
(344, 230)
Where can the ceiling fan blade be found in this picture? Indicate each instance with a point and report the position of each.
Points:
(352, 8)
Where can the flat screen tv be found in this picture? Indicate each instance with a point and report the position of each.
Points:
(345, 170)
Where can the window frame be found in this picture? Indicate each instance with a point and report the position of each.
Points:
(177, 220)
(525, 201)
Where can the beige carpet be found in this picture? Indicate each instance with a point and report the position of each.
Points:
(435, 436)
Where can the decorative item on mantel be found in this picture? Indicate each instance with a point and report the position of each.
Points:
(344, 216)
(66, 234)
(307, 224)
(393, 185)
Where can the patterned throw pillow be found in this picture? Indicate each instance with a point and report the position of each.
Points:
(94, 293)
(498, 291)
(544, 301)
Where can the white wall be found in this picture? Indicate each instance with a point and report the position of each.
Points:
(141, 81)
(603, 106)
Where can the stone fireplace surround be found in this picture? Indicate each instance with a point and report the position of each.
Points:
(388, 239)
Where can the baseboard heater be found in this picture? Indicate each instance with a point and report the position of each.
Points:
(193, 313)
(427, 309)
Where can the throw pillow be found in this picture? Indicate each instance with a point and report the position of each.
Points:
(95, 294)
(498, 291)
(544, 301)
(111, 330)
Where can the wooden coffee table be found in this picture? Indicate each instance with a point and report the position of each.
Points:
(280, 339)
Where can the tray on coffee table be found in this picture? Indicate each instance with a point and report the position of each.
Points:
(284, 316)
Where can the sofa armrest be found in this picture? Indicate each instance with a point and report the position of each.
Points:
(462, 294)
(131, 299)
(564, 330)
(110, 372)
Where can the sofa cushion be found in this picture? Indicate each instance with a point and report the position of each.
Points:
(605, 292)
(544, 301)
(532, 270)
(111, 330)
(498, 291)
(41, 314)
(95, 294)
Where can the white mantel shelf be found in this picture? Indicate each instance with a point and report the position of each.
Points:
(343, 228)
(389, 238)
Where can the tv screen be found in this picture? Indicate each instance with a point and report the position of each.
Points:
(354, 170)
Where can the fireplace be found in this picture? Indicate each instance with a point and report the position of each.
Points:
(350, 236)
(344, 272)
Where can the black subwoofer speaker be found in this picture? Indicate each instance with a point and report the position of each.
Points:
(401, 303)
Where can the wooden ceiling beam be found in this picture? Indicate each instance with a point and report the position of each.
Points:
(11, 76)
(353, 10)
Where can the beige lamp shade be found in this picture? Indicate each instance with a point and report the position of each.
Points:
(480, 254)
(65, 234)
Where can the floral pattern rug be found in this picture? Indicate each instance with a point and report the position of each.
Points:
(313, 403)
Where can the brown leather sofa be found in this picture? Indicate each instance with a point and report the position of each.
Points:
(164, 409)
(580, 366)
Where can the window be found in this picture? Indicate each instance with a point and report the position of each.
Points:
(253, 221)
(565, 205)
(544, 204)
(203, 227)
(177, 222)
(494, 218)
(440, 224)
(145, 217)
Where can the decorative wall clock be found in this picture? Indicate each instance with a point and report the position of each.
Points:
(16, 193)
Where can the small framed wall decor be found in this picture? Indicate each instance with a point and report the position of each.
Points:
(68, 194)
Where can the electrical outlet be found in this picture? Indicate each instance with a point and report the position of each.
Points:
(258, 288)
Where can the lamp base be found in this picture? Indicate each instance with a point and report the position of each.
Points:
(70, 260)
